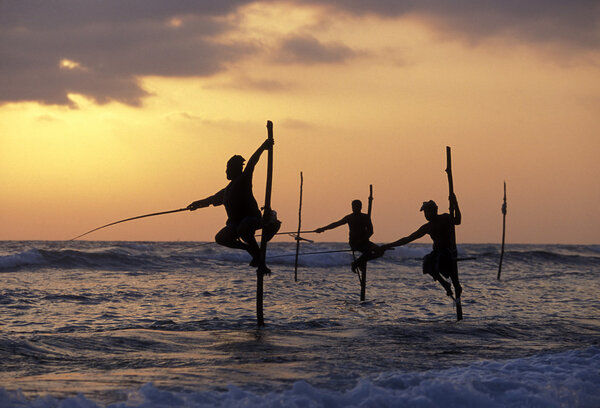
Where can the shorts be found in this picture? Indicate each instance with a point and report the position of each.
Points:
(439, 262)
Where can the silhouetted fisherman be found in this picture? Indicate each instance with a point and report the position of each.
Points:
(441, 262)
(243, 214)
(360, 230)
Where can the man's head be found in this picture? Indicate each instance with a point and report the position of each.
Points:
(235, 166)
(356, 206)
(430, 209)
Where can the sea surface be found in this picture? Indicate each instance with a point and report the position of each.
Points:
(173, 324)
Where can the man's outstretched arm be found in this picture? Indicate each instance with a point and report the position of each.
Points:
(332, 225)
(215, 200)
(410, 238)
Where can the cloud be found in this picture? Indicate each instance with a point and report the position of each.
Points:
(572, 23)
(296, 124)
(246, 82)
(185, 116)
(308, 50)
(100, 48)
(46, 118)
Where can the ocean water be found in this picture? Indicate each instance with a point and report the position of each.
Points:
(173, 324)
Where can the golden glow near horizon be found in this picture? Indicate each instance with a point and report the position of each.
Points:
(382, 117)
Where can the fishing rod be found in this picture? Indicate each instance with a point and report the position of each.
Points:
(130, 219)
(298, 238)
(295, 232)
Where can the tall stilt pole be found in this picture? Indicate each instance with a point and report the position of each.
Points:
(263, 242)
(457, 301)
(503, 231)
(363, 280)
(299, 229)
(370, 206)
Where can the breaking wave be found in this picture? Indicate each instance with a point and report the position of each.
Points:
(155, 256)
(547, 380)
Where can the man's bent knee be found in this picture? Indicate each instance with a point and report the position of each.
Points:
(225, 237)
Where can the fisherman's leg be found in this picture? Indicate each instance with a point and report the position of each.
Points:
(455, 282)
(449, 268)
(431, 267)
(374, 251)
(446, 285)
(229, 238)
(369, 251)
(246, 230)
(360, 263)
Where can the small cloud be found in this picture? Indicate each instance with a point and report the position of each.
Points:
(46, 118)
(68, 64)
(264, 84)
(189, 116)
(307, 50)
(261, 84)
(296, 124)
(253, 84)
(177, 116)
(175, 22)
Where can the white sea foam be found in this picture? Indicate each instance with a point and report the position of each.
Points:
(555, 380)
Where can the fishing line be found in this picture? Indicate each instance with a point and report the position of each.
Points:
(312, 253)
(293, 233)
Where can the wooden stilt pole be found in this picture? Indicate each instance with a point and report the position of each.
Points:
(370, 206)
(363, 280)
(263, 242)
(459, 314)
(299, 230)
(503, 231)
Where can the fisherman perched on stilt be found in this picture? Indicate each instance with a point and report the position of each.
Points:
(360, 231)
(243, 214)
(441, 262)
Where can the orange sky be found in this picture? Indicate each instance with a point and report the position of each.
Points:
(92, 131)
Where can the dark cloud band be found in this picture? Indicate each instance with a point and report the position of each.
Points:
(49, 49)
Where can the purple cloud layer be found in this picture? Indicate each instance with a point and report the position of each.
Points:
(116, 42)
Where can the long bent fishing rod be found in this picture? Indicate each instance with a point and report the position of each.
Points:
(130, 219)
